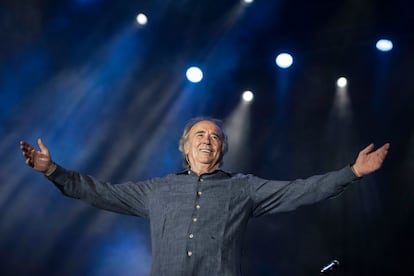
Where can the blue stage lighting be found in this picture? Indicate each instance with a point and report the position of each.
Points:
(194, 74)
(284, 60)
(384, 45)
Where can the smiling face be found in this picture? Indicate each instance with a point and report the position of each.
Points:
(203, 147)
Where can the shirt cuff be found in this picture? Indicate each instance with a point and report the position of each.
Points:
(56, 173)
(356, 177)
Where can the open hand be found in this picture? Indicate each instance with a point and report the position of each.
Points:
(39, 160)
(369, 161)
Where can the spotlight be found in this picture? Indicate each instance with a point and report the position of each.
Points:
(142, 19)
(342, 82)
(384, 45)
(284, 60)
(247, 96)
(194, 74)
(247, 1)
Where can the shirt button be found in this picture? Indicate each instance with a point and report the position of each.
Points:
(201, 180)
(194, 219)
(191, 236)
(198, 206)
(199, 193)
(189, 253)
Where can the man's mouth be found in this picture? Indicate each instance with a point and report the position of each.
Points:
(206, 150)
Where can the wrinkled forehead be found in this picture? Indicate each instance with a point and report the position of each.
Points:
(206, 126)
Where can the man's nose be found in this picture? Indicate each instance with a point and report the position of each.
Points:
(206, 139)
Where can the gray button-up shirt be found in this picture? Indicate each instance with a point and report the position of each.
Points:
(197, 222)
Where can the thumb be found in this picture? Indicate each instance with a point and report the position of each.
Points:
(42, 146)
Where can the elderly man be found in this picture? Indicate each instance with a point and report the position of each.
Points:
(198, 216)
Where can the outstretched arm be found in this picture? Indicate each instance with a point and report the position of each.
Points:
(39, 160)
(369, 161)
(272, 196)
(127, 198)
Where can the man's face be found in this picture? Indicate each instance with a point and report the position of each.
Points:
(204, 145)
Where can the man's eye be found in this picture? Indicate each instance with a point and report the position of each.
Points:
(215, 137)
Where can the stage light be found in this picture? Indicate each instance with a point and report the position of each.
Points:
(342, 82)
(247, 1)
(384, 45)
(247, 96)
(284, 60)
(194, 74)
(142, 19)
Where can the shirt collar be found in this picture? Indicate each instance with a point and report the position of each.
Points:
(217, 174)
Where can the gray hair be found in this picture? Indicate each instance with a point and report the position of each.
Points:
(186, 131)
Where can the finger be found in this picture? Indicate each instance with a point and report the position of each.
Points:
(25, 154)
(383, 154)
(25, 146)
(24, 143)
(383, 151)
(386, 146)
(28, 151)
(368, 149)
(42, 146)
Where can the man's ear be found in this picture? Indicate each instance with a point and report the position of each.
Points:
(186, 148)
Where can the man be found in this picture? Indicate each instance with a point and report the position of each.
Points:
(198, 217)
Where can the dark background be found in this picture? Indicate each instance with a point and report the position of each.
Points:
(110, 98)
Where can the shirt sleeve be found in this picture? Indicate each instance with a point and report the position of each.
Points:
(270, 196)
(127, 198)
